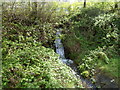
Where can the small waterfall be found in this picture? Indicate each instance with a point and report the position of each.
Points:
(60, 51)
(59, 46)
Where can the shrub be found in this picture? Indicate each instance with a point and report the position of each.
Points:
(90, 61)
(18, 25)
(34, 66)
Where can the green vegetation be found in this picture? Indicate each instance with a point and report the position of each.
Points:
(29, 60)
(90, 35)
(111, 69)
(34, 66)
(93, 38)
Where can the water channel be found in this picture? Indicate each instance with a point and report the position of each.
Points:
(60, 50)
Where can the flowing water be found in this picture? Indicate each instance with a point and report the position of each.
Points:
(100, 78)
(60, 51)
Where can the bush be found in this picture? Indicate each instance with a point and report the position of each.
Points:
(90, 61)
(91, 28)
(34, 66)
(19, 25)
(106, 30)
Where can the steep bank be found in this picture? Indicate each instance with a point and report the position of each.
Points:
(92, 41)
(34, 66)
(60, 50)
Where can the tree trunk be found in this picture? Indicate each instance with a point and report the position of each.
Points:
(116, 5)
(29, 5)
(34, 7)
(84, 3)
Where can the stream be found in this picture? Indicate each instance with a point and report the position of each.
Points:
(102, 80)
(60, 50)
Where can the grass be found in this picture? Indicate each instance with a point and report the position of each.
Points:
(111, 69)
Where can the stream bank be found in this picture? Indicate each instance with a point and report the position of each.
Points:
(104, 81)
(60, 50)
(101, 80)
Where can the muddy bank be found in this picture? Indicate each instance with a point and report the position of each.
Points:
(105, 81)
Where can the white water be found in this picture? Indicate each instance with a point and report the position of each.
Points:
(59, 46)
(60, 51)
